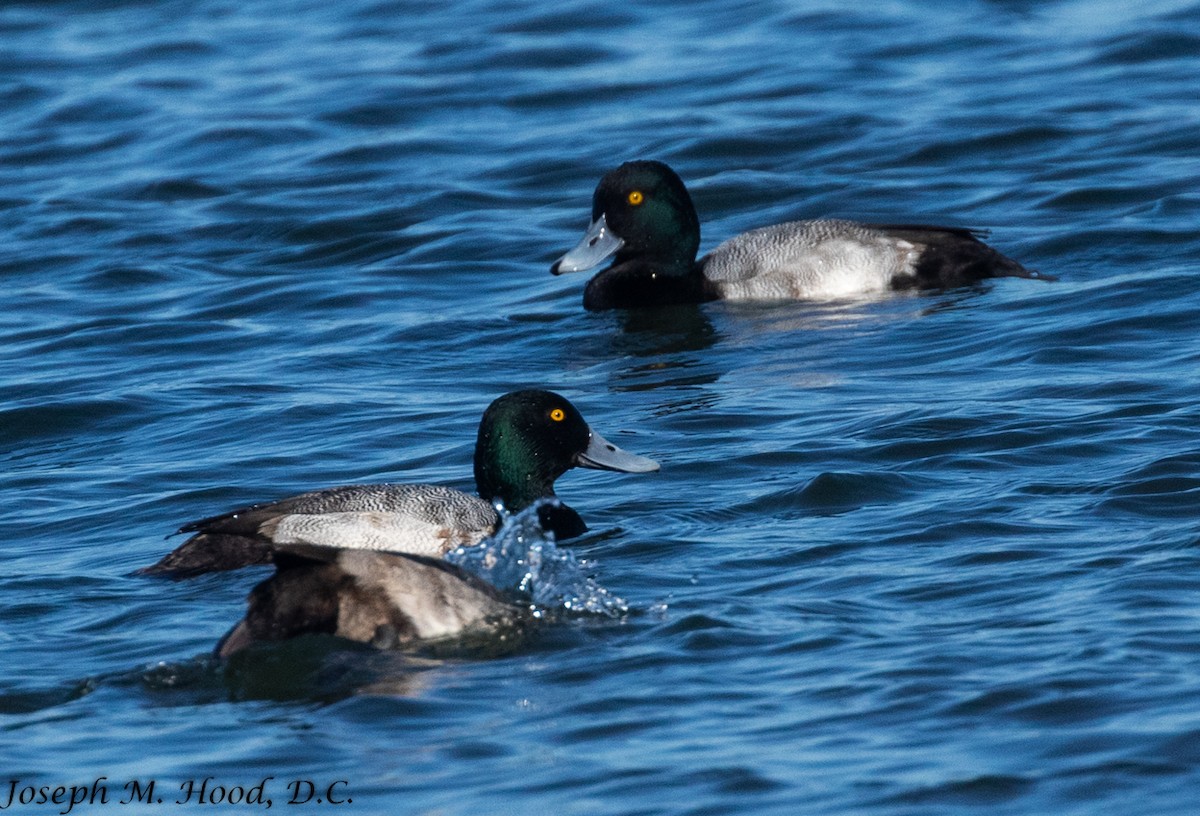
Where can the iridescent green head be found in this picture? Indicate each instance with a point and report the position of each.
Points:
(641, 210)
(527, 439)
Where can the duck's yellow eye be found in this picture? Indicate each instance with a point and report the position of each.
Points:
(636, 197)
(558, 415)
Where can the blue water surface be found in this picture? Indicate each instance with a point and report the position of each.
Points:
(920, 554)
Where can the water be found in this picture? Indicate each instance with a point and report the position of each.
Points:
(523, 560)
(918, 555)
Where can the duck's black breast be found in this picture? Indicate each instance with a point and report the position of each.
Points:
(557, 518)
(634, 283)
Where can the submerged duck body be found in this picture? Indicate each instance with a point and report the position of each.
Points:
(385, 600)
(644, 219)
(527, 439)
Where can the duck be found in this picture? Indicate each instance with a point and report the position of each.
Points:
(643, 218)
(527, 439)
(379, 599)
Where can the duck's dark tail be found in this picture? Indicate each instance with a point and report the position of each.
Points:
(953, 257)
(209, 552)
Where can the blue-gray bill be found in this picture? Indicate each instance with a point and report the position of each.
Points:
(598, 243)
(604, 455)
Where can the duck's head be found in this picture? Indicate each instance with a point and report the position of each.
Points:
(641, 210)
(527, 439)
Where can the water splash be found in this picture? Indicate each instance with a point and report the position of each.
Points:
(522, 559)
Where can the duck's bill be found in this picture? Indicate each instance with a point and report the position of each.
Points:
(598, 243)
(604, 455)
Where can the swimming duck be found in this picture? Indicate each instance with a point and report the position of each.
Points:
(385, 600)
(643, 217)
(527, 439)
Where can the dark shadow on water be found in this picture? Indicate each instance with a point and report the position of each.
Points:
(664, 330)
(325, 669)
(675, 346)
(29, 701)
(319, 669)
(947, 300)
(667, 345)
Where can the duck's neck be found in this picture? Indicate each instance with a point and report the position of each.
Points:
(516, 491)
(507, 470)
(510, 479)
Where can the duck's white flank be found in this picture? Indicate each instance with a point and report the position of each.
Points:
(810, 260)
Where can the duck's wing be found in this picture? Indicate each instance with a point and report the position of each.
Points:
(419, 519)
(387, 600)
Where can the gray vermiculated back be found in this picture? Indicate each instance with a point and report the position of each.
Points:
(807, 259)
(423, 519)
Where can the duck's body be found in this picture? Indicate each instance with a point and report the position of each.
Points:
(362, 562)
(385, 600)
(644, 218)
(812, 260)
(527, 439)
